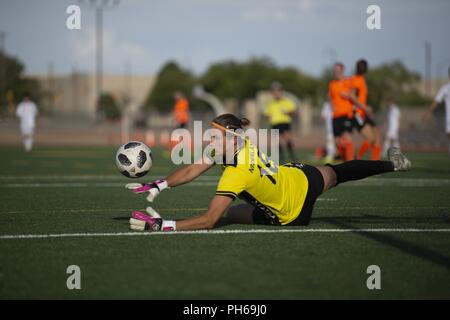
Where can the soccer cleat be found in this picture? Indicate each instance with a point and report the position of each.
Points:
(400, 161)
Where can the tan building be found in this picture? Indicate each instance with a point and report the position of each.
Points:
(432, 85)
(75, 94)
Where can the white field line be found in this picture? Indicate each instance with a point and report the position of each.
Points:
(211, 232)
(88, 185)
(379, 207)
(94, 177)
(204, 209)
(115, 181)
(127, 209)
(211, 184)
(65, 185)
(104, 210)
(90, 178)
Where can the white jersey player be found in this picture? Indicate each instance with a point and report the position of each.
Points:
(327, 116)
(443, 95)
(27, 112)
(393, 121)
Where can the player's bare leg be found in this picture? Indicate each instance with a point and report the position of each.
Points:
(329, 177)
(289, 144)
(376, 148)
(372, 142)
(345, 142)
(369, 139)
(282, 147)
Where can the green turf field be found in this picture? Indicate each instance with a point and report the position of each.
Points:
(77, 192)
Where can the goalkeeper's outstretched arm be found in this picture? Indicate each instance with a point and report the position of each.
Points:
(177, 178)
(187, 173)
(207, 220)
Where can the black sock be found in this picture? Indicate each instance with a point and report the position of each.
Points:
(360, 169)
(291, 150)
(281, 153)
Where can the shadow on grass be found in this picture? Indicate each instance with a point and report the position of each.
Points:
(121, 218)
(343, 222)
(405, 246)
(369, 218)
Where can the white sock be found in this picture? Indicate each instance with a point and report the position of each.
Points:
(331, 147)
(396, 143)
(386, 146)
(28, 142)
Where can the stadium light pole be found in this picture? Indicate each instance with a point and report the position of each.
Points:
(2, 70)
(99, 6)
(427, 68)
(331, 55)
(440, 73)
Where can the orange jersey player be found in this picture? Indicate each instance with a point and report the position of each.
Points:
(339, 92)
(181, 110)
(342, 106)
(363, 120)
(358, 83)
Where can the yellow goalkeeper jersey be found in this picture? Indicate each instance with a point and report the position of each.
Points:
(277, 191)
(278, 111)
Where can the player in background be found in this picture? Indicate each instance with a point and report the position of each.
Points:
(393, 121)
(280, 112)
(362, 118)
(27, 111)
(339, 93)
(181, 110)
(330, 146)
(442, 95)
(277, 195)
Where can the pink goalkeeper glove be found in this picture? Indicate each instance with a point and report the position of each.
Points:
(150, 221)
(154, 188)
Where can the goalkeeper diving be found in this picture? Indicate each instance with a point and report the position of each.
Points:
(277, 195)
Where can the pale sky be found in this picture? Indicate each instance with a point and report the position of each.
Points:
(306, 34)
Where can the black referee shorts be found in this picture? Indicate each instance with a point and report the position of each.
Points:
(360, 123)
(315, 189)
(282, 127)
(341, 125)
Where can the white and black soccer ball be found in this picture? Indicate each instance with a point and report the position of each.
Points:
(134, 159)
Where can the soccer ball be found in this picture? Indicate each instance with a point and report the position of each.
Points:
(134, 159)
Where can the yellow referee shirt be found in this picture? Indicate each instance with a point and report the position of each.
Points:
(278, 111)
(278, 191)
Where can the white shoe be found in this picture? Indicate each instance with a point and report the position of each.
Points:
(400, 161)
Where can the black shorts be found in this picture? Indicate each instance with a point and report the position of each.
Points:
(315, 189)
(360, 123)
(283, 127)
(341, 125)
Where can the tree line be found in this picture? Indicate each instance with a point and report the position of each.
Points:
(230, 79)
(242, 80)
